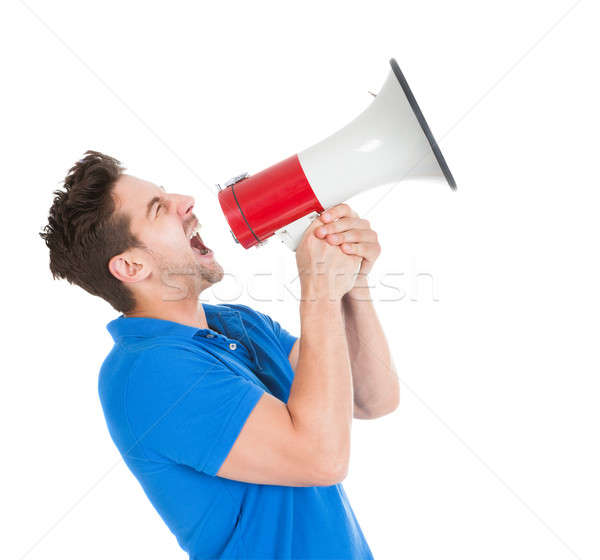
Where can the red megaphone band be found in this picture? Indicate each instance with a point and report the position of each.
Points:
(259, 205)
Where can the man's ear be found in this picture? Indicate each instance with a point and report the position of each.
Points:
(130, 266)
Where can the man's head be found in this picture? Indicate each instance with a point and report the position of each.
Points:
(125, 239)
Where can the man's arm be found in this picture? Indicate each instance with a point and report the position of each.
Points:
(376, 389)
(376, 384)
(306, 442)
(375, 381)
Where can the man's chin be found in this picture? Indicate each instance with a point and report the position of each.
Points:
(212, 273)
(207, 271)
(187, 280)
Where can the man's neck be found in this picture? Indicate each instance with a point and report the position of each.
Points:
(186, 312)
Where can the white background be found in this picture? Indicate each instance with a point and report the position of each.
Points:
(493, 452)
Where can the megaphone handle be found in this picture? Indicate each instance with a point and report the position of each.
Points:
(291, 235)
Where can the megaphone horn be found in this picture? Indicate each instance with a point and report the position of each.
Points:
(388, 142)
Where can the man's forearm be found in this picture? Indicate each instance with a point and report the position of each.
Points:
(320, 400)
(376, 385)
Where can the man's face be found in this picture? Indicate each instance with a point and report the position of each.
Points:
(164, 223)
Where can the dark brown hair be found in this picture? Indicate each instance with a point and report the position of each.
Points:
(84, 231)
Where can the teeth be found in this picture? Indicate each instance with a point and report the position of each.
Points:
(195, 230)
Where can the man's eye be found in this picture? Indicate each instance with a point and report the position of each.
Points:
(158, 208)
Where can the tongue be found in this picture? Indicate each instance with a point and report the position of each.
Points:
(196, 243)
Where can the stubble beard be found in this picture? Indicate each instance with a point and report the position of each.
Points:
(187, 279)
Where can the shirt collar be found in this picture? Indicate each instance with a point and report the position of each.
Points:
(217, 316)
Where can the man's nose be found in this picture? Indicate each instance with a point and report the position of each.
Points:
(185, 204)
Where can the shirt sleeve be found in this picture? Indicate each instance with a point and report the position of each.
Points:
(186, 409)
(285, 338)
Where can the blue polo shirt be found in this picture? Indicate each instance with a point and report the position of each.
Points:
(175, 399)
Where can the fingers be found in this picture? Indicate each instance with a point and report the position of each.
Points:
(340, 225)
(343, 224)
(366, 250)
(352, 236)
(336, 212)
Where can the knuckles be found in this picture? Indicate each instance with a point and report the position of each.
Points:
(340, 210)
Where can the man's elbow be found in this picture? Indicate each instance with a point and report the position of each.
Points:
(382, 408)
(331, 471)
(384, 411)
(394, 401)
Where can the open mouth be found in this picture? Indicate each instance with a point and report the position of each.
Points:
(196, 242)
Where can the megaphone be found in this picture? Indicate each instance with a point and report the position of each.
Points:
(388, 142)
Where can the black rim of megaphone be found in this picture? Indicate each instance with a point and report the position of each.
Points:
(427, 131)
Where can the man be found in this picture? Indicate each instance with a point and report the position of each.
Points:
(238, 432)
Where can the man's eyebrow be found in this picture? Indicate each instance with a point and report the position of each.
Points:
(163, 188)
(152, 202)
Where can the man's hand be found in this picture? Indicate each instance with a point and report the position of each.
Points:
(343, 227)
(325, 272)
